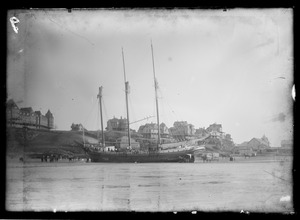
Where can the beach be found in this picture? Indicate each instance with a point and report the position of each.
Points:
(253, 185)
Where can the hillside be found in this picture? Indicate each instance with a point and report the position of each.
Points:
(33, 143)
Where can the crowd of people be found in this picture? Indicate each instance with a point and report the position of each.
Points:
(56, 158)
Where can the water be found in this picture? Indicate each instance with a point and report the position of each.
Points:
(219, 186)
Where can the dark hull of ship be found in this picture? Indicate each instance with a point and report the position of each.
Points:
(182, 156)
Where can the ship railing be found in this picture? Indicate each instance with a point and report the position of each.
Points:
(125, 152)
(175, 150)
(139, 152)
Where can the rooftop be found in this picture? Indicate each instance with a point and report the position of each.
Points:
(260, 141)
(27, 110)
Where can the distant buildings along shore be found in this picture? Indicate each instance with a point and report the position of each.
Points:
(262, 146)
(181, 131)
(26, 117)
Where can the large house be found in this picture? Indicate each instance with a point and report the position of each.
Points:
(258, 144)
(254, 145)
(228, 137)
(77, 127)
(201, 132)
(181, 129)
(26, 117)
(150, 130)
(116, 124)
(164, 130)
(215, 130)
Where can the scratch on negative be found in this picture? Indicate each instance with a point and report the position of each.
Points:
(277, 176)
(72, 32)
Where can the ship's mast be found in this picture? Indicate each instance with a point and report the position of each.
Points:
(156, 86)
(126, 95)
(100, 102)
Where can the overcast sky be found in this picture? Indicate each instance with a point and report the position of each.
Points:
(231, 67)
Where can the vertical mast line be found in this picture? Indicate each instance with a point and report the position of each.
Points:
(155, 86)
(100, 102)
(126, 94)
(124, 66)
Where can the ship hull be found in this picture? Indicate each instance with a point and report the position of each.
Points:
(113, 157)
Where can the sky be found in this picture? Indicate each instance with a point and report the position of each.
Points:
(231, 67)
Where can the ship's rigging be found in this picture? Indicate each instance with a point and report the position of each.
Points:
(156, 100)
(128, 130)
(126, 96)
(182, 152)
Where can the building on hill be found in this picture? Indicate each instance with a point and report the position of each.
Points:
(12, 112)
(258, 144)
(112, 124)
(215, 130)
(116, 124)
(150, 131)
(164, 130)
(181, 130)
(50, 118)
(201, 132)
(214, 127)
(26, 117)
(27, 110)
(77, 127)
(41, 119)
(228, 137)
(11, 104)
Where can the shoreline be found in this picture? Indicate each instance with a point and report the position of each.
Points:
(10, 162)
(241, 159)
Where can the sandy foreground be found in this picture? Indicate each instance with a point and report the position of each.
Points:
(257, 184)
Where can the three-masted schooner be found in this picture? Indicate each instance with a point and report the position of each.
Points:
(179, 154)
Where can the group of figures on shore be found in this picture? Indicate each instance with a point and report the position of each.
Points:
(209, 158)
(56, 158)
(51, 158)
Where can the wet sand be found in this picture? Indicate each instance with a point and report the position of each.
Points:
(255, 186)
